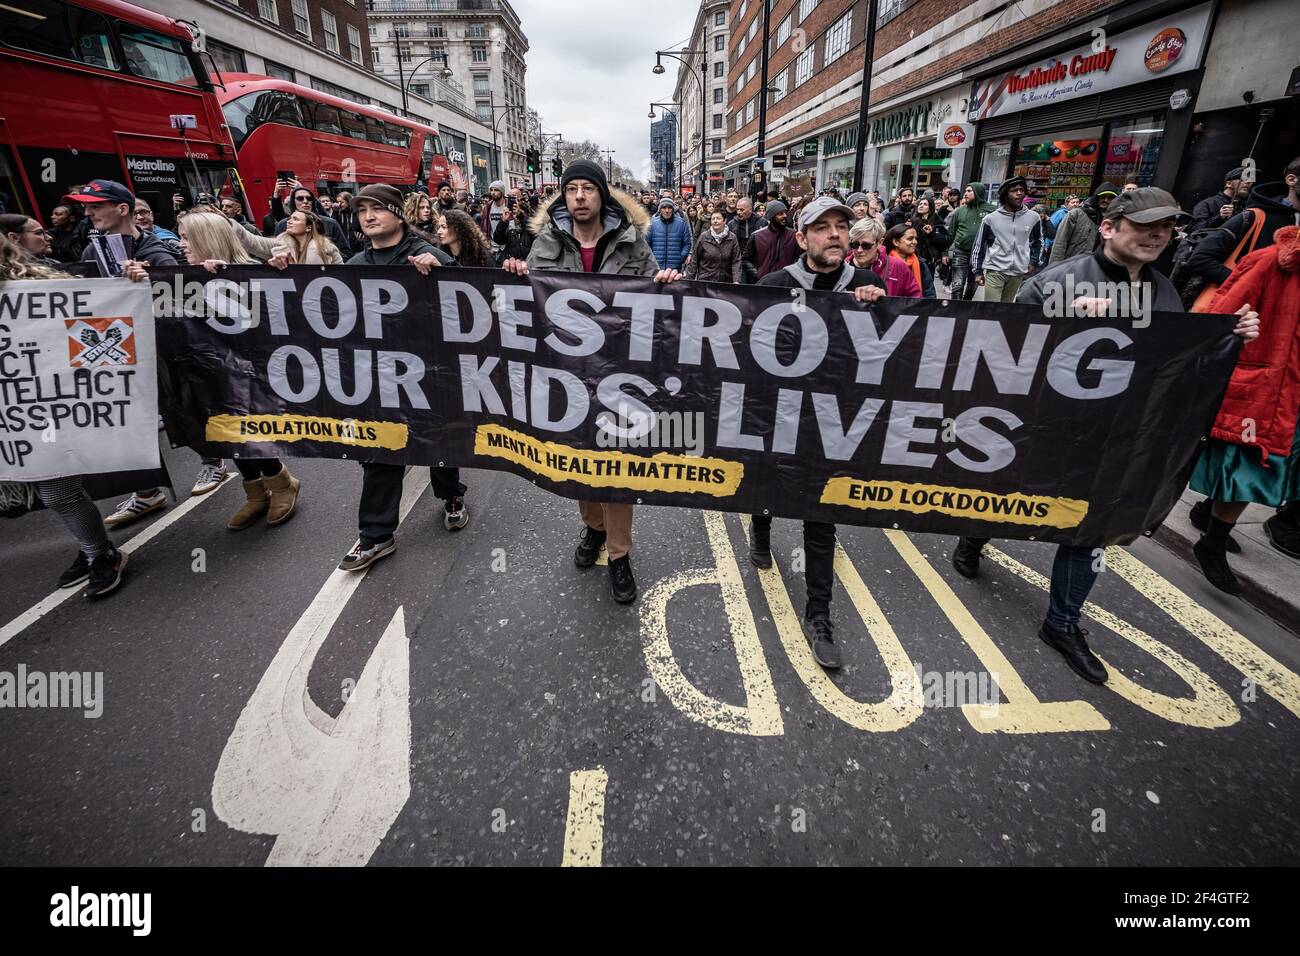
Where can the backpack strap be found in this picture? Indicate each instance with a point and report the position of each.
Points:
(1250, 238)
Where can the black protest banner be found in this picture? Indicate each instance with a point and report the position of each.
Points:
(925, 415)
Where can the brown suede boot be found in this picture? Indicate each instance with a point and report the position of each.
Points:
(259, 500)
(284, 496)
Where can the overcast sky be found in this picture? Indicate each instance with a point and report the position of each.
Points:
(589, 67)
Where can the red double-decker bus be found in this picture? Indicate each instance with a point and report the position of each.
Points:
(105, 89)
(325, 142)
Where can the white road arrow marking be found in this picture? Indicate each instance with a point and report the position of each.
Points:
(328, 789)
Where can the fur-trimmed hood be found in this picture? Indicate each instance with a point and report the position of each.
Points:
(633, 214)
(1287, 241)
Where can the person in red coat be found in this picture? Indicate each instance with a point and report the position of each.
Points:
(1253, 452)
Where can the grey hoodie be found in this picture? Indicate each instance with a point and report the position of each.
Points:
(1007, 242)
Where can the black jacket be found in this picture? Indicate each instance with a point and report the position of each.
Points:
(514, 238)
(898, 214)
(146, 248)
(1205, 214)
(1212, 251)
(742, 229)
(1096, 268)
(411, 245)
(67, 242)
(333, 231)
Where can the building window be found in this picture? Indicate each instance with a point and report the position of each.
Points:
(743, 7)
(720, 18)
(478, 53)
(806, 7)
(374, 57)
(438, 31)
(481, 84)
(404, 54)
(302, 21)
(401, 30)
(227, 58)
(354, 44)
(719, 69)
(374, 31)
(420, 89)
(753, 28)
(719, 42)
(837, 39)
(715, 146)
(717, 121)
(783, 31)
(740, 83)
(753, 68)
(780, 86)
(749, 110)
(477, 31)
(331, 29)
(718, 93)
(484, 110)
(740, 48)
(266, 10)
(277, 71)
(803, 66)
(740, 120)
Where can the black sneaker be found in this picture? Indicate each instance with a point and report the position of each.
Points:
(77, 572)
(455, 515)
(363, 556)
(1074, 648)
(1283, 535)
(966, 557)
(105, 574)
(820, 636)
(588, 547)
(622, 586)
(1200, 518)
(1214, 564)
(760, 545)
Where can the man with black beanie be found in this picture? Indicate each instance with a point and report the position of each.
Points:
(1213, 211)
(393, 242)
(591, 229)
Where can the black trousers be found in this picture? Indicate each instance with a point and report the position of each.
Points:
(381, 497)
(252, 469)
(819, 562)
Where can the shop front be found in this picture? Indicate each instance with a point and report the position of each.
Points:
(902, 150)
(1114, 110)
(481, 160)
(457, 157)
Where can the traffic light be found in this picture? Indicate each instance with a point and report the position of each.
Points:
(534, 159)
(557, 167)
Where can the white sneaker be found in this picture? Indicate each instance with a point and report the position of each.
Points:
(210, 478)
(134, 508)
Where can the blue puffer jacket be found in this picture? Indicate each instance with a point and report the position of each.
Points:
(670, 240)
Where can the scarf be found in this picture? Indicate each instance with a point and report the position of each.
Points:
(913, 263)
(806, 278)
(718, 236)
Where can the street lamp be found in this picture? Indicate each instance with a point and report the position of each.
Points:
(404, 83)
(658, 69)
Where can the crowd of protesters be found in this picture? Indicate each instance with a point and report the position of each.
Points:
(1238, 253)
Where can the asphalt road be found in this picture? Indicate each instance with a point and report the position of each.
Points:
(476, 699)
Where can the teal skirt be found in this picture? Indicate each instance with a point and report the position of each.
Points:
(1228, 472)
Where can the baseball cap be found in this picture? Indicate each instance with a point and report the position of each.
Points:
(820, 207)
(1144, 205)
(103, 190)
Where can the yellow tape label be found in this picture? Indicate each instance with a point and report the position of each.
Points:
(291, 428)
(1013, 508)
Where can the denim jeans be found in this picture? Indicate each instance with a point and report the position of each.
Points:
(963, 284)
(1073, 575)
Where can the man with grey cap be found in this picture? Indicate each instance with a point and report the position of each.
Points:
(1135, 229)
(771, 248)
(827, 266)
(1213, 211)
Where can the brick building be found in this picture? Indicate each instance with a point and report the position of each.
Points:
(1070, 92)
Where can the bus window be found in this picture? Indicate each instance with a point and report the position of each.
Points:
(375, 130)
(353, 124)
(154, 56)
(57, 29)
(247, 113)
(325, 119)
(397, 135)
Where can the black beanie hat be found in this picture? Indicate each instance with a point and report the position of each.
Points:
(387, 196)
(586, 169)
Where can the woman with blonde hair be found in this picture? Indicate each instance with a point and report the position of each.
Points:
(97, 560)
(419, 214)
(207, 240)
(304, 237)
(868, 250)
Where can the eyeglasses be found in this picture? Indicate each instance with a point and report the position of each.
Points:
(866, 246)
(574, 189)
